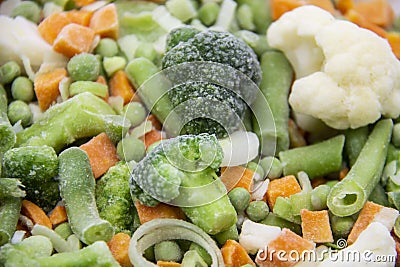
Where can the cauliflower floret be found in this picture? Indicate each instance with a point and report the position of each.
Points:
(357, 78)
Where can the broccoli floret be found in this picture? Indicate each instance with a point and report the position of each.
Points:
(113, 199)
(217, 92)
(182, 171)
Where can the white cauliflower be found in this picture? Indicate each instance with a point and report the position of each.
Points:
(346, 76)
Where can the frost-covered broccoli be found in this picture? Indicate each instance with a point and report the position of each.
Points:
(113, 198)
(182, 171)
(206, 100)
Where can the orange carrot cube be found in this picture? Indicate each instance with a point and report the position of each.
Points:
(35, 213)
(237, 176)
(104, 21)
(394, 41)
(151, 137)
(46, 87)
(282, 187)
(162, 210)
(378, 12)
(235, 255)
(119, 245)
(51, 26)
(81, 17)
(121, 86)
(315, 226)
(58, 215)
(279, 7)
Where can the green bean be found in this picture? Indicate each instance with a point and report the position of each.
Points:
(319, 197)
(146, 50)
(244, 16)
(316, 160)
(379, 196)
(392, 154)
(272, 167)
(107, 47)
(59, 243)
(257, 169)
(230, 233)
(396, 135)
(19, 111)
(394, 198)
(275, 85)
(261, 14)
(341, 226)
(300, 201)
(208, 13)
(113, 64)
(131, 148)
(11, 187)
(3, 100)
(9, 214)
(64, 230)
(240, 198)
(257, 210)
(355, 140)
(95, 88)
(9, 71)
(283, 209)
(22, 89)
(349, 195)
(27, 9)
(202, 253)
(274, 220)
(139, 70)
(193, 259)
(135, 112)
(7, 134)
(184, 10)
(83, 67)
(168, 251)
(77, 186)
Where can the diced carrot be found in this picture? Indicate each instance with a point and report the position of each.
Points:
(235, 255)
(344, 5)
(343, 172)
(74, 39)
(119, 245)
(35, 213)
(315, 226)
(162, 210)
(103, 80)
(102, 154)
(361, 21)
(81, 3)
(279, 7)
(156, 123)
(318, 181)
(324, 4)
(121, 86)
(282, 187)
(46, 87)
(58, 215)
(237, 176)
(394, 41)
(81, 17)
(286, 244)
(51, 26)
(369, 213)
(168, 264)
(151, 137)
(378, 12)
(104, 21)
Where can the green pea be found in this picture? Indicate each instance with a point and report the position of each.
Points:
(84, 67)
(22, 89)
(272, 167)
(208, 13)
(167, 251)
(107, 47)
(239, 198)
(9, 71)
(131, 148)
(19, 110)
(27, 9)
(135, 112)
(257, 210)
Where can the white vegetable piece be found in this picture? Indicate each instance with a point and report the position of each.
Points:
(347, 76)
(255, 236)
(239, 148)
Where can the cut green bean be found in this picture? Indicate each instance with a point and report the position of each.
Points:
(3, 100)
(341, 226)
(7, 134)
(193, 259)
(208, 13)
(9, 214)
(274, 220)
(396, 135)
(316, 160)
(135, 112)
(392, 154)
(9, 71)
(168, 251)
(184, 10)
(84, 67)
(95, 88)
(11, 187)
(22, 89)
(27, 9)
(261, 14)
(139, 70)
(283, 209)
(244, 16)
(355, 140)
(379, 196)
(349, 195)
(300, 201)
(19, 111)
(202, 253)
(59, 243)
(77, 186)
(272, 167)
(231, 233)
(64, 230)
(257, 169)
(107, 47)
(319, 197)
(275, 85)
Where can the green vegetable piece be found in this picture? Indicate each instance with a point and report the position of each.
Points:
(135, 112)
(341, 226)
(274, 220)
(3, 100)
(300, 201)
(59, 243)
(113, 198)
(84, 115)
(77, 186)
(240, 198)
(84, 67)
(396, 135)
(181, 34)
(208, 13)
(113, 64)
(35, 166)
(261, 14)
(19, 111)
(95, 88)
(257, 210)
(349, 195)
(139, 70)
(146, 50)
(7, 134)
(131, 148)
(168, 251)
(9, 214)
(27, 9)
(277, 76)
(184, 10)
(319, 197)
(379, 196)
(201, 252)
(9, 71)
(64, 230)
(193, 259)
(355, 141)
(11, 187)
(107, 47)
(244, 16)
(257, 169)
(230, 233)
(316, 160)
(283, 209)
(22, 89)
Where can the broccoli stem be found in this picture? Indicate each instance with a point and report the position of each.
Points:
(9, 214)
(83, 115)
(77, 188)
(7, 134)
(10, 187)
(277, 76)
(349, 195)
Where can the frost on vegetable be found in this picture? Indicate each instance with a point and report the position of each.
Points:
(346, 76)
